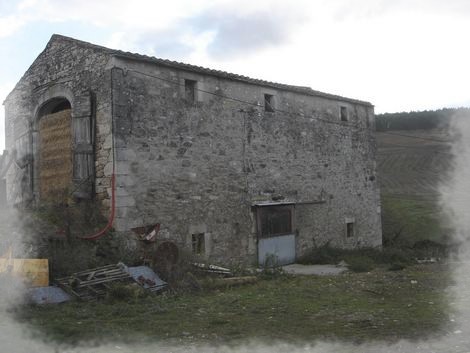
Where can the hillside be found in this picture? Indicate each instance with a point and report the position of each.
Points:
(421, 120)
(412, 164)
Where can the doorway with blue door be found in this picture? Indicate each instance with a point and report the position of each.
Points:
(276, 234)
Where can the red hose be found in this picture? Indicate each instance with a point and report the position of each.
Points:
(111, 216)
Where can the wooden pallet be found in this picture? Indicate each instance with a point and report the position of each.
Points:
(93, 284)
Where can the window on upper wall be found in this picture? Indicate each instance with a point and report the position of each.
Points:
(198, 243)
(269, 102)
(343, 112)
(275, 220)
(190, 90)
(349, 229)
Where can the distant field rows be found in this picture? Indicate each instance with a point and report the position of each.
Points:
(410, 173)
(409, 166)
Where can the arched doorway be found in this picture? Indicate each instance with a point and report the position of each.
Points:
(55, 168)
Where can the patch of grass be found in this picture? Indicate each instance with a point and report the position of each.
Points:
(407, 220)
(379, 305)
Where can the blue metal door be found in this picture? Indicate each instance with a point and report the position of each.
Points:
(278, 250)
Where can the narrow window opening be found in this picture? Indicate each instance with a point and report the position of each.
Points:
(349, 229)
(269, 102)
(275, 221)
(190, 90)
(344, 113)
(198, 244)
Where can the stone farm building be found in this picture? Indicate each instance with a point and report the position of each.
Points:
(231, 168)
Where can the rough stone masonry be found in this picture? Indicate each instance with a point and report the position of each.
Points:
(233, 169)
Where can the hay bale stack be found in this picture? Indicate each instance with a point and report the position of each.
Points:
(55, 156)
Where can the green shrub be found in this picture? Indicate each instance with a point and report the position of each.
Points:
(397, 255)
(396, 266)
(272, 272)
(386, 255)
(360, 263)
(271, 261)
(360, 260)
(125, 292)
(322, 255)
(67, 257)
(181, 276)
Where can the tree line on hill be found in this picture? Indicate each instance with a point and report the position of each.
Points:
(423, 120)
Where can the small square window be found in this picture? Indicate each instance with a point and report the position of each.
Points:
(344, 113)
(198, 244)
(349, 229)
(269, 102)
(190, 90)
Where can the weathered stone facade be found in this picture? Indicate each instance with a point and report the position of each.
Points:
(201, 151)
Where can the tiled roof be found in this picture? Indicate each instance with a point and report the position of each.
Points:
(212, 72)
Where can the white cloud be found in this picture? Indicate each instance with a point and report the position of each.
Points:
(140, 14)
(400, 55)
(9, 25)
(25, 4)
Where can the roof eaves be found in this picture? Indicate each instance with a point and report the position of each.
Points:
(223, 74)
(199, 69)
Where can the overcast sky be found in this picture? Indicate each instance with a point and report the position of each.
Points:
(400, 55)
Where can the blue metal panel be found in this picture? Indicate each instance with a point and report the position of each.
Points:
(281, 249)
(146, 278)
(48, 295)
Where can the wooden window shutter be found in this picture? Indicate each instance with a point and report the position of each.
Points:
(83, 149)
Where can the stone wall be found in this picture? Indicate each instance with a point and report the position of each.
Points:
(69, 71)
(200, 166)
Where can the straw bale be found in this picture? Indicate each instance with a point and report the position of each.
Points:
(55, 155)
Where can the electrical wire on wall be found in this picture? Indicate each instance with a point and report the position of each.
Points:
(342, 123)
(109, 225)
